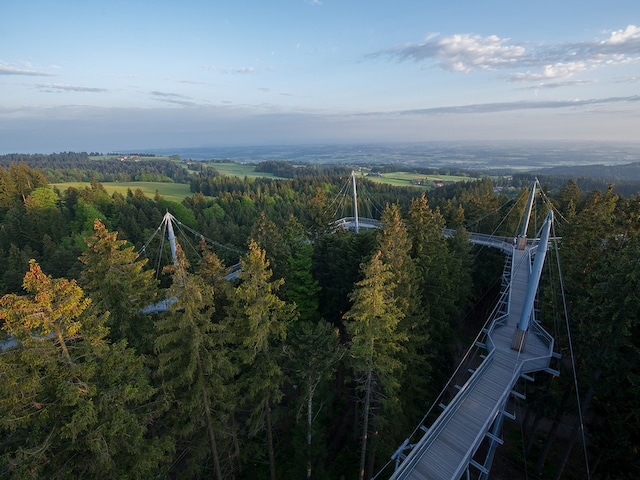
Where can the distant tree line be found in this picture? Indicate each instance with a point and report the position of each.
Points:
(290, 170)
(78, 167)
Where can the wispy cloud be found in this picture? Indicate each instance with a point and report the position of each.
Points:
(232, 70)
(61, 87)
(173, 98)
(7, 69)
(536, 63)
(497, 107)
(553, 85)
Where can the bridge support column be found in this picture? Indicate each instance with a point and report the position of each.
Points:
(168, 218)
(494, 442)
(522, 238)
(532, 287)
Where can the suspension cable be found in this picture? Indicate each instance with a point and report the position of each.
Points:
(213, 242)
(573, 364)
(164, 227)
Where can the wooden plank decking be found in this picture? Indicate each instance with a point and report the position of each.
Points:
(445, 450)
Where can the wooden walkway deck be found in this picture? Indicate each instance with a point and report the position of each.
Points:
(447, 448)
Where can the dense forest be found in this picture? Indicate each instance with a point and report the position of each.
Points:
(323, 354)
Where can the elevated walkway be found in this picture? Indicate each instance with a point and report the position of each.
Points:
(475, 414)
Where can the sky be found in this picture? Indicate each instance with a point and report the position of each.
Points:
(139, 74)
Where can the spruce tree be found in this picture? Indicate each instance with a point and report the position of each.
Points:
(374, 352)
(194, 368)
(116, 280)
(259, 321)
(71, 404)
(395, 248)
(432, 263)
(314, 354)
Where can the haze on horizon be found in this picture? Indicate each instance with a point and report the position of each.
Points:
(101, 76)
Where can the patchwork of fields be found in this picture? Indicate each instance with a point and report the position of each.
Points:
(177, 191)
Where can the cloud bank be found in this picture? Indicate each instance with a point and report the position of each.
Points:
(536, 63)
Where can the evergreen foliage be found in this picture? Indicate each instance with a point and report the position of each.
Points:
(116, 280)
(194, 368)
(72, 405)
(254, 376)
(372, 325)
(258, 321)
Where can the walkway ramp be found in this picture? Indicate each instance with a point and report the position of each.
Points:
(447, 448)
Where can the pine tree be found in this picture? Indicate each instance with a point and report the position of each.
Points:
(194, 367)
(315, 352)
(115, 279)
(372, 324)
(259, 321)
(72, 405)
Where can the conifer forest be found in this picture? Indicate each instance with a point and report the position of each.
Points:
(324, 350)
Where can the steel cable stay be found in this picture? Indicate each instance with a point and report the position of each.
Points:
(340, 199)
(212, 242)
(347, 196)
(370, 201)
(497, 210)
(573, 363)
(166, 231)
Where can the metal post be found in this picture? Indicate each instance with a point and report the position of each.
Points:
(522, 239)
(355, 200)
(493, 444)
(532, 288)
(172, 237)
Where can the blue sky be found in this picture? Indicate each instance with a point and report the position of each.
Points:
(99, 76)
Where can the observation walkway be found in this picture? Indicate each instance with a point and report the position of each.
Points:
(475, 414)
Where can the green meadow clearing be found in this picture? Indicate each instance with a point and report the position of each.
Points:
(239, 170)
(409, 179)
(402, 179)
(170, 191)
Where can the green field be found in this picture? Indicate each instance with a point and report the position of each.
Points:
(170, 191)
(239, 170)
(408, 179)
(403, 179)
(178, 191)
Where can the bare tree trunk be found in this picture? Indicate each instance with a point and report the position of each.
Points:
(272, 456)
(365, 426)
(236, 443)
(310, 391)
(372, 449)
(63, 345)
(211, 433)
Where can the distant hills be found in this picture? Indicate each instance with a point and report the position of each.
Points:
(493, 156)
(612, 173)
